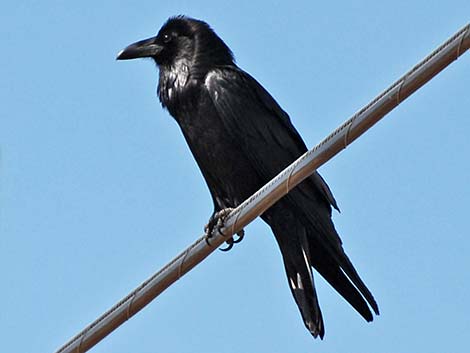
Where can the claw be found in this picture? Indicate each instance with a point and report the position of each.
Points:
(241, 235)
(230, 243)
(216, 222)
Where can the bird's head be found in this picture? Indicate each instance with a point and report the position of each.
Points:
(182, 39)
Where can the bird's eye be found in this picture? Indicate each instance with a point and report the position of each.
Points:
(166, 38)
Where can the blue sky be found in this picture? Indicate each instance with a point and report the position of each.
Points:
(98, 189)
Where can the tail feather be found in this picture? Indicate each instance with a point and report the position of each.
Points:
(335, 266)
(333, 274)
(351, 272)
(299, 274)
(304, 247)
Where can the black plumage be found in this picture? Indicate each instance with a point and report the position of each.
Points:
(241, 138)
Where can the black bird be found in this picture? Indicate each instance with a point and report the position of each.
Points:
(241, 138)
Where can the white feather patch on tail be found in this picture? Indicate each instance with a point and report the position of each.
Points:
(299, 282)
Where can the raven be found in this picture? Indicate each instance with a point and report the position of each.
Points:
(241, 138)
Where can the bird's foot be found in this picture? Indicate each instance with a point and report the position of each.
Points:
(216, 222)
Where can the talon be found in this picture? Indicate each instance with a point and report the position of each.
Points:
(230, 243)
(216, 222)
(241, 235)
(207, 234)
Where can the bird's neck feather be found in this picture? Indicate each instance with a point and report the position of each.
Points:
(176, 83)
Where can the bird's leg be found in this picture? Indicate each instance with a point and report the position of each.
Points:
(216, 222)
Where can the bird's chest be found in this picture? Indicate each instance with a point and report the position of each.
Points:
(205, 132)
(217, 151)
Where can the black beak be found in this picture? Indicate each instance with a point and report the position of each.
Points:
(141, 49)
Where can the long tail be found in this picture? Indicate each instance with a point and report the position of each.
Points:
(304, 247)
(298, 267)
